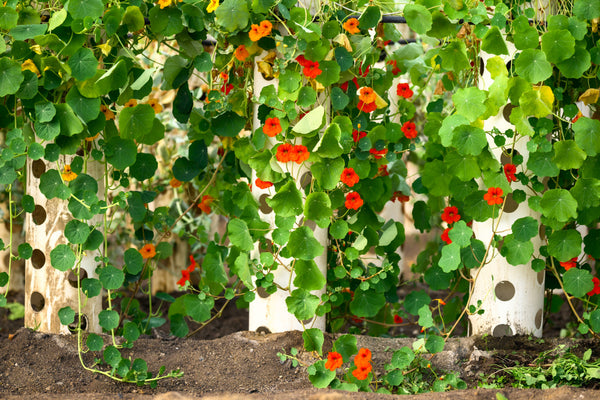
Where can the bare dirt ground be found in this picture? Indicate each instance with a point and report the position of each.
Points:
(225, 362)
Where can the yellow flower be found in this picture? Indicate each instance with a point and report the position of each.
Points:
(68, 175)
(130, 103)
(30, 66)
(105, 48)
(36, 48)
(212, 6)
(164, 3)
(108, 114)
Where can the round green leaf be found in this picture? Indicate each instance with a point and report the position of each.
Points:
(558, 45)
(575, 66)
(434, 344)
(303, 245)
(587, 131)
(578, 282)
(232, 15)
(319, 376)
(25, 251)
(461, 234)
(327, 172)
(288, 200)
(559, 204)
(318, 206)
(586, 9)
(592, 243)
(564, 244)
(144, 167)
(120, 153)
(111, 277)
(80, 9)
(525, 228)
(62, 257)
(331, 73)
(469, 140)
(366, 303)
(86, 109)
(91, 287)
(533, 66)
(94, 342)
(76, 231)
(135, 121)
(339, 229)
(10, 76)
(450, 259)
(239, 235)
(83, 64)
(66, 315)
(418, 18)
(346, 346)
(312, 121)
(108, 319)
(302, 304)
(8, 18)
(567, 155)
(308, 275)
(313, 340)
(515, 251)
(493, 42)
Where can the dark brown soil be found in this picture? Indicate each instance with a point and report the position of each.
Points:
(223, 362)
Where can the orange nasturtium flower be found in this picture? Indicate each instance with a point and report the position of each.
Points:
(509, 172)
(494, 196)
(68, 175)
(334, 361)
(165, 3)
(378, 154)
(409, 129)
(204, 205)
(362, 371)
(148, 251)
(349, 177)
(300, 154)
(272, 127)
(353, 201)
(285, 153)
(445, 237)
(156, 106)
(241, 53)
(108, 114)
(567, 265)
(403, 90)
(175, 183)
(450, 215)
(130, 103)
(258, 32)
(212, 6)
(363, 356)
(262, 184)
(185, 273)
(367, 95)
(351, 25)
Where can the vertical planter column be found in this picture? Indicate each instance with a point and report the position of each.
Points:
(269, 312)
(512, 297)
(47, 289)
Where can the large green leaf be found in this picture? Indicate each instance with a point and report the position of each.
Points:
(51, 185)
(461, 234)
(575, 66)
(232, 15)
(302, 304)
(567, 155)
(312, 121)
(80, 9)
(24, 32)
(303, 244)
(8, 18)
(228, 124)
(559, 204)
(564, 244)
(120, 153)
(558, 45)
(542, 164)
(464, 166)
(239, 234)
(86, 109)
(450, 259)
(329, 146)
(578, 282)
(135, 120)
(525, 228)
(62, 257)
(287, 202)
(533, 66)
(83, 64)
(331, 73)
(10, 76)
(418, 18)
(318, 207)
(587, 193)
(587, 132)
(454, 56)
(493, 42)
(327, 172)
(586, 9)
(111, 277)
(308, 275)
(469, 102)
(76, 231)
(469, 140)
(592, 243)
(366, 303)
(516, 251)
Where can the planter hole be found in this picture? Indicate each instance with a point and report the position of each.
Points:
(510, 205)
(38, 167)
(538, 319)
(506, 157)
(504, 291)
(305, 180)
(72, 278)
(262, 292)
(263, 330)
(506, 111)
(84, 323)
(38, 259)
(37, 301)
(264, 207)
(38, 215)
(502, 330)
(540, 277)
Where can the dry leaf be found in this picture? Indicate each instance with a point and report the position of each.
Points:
(590, 96)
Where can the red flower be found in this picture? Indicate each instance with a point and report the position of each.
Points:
(382, 170)
(398, 319)
(349, 177)
(204, 204)
(334, 361)
(185, 274)
(262, 184)
(567, 265)
(302, 60)
(363, 357)
(148, 251)
(378, 153)
(509, 171)
(402, 198)
(226, 88)
(395, 69)
(311, 69)
(365, 72)
(596, 289)
(579, 115)
(272, 127)
(356, 135)
(285, 153)
(493, 196)
(300, 154)
(404, 90)
(409, 129)
(362, 371)
(353, 201)
(445, 236)
(241, 53)
(450, 215)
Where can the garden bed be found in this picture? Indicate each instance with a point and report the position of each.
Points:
(228, 363)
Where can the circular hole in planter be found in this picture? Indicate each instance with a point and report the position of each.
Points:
(262, 292)
(38, 259)
(84, 323)
(38, 167)
(306, 179)
(308, 321)
(510, 205)
(538, 319)
(506, 111)
(502, 330)
(38, 215)
(37, 301)
(264, 207)
(506, 157)
(263, 330)
(542, 232)
(481, 66)
(72, 278)
(504, 291)
(540, 277)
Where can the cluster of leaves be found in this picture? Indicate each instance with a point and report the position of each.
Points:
(74, 91)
